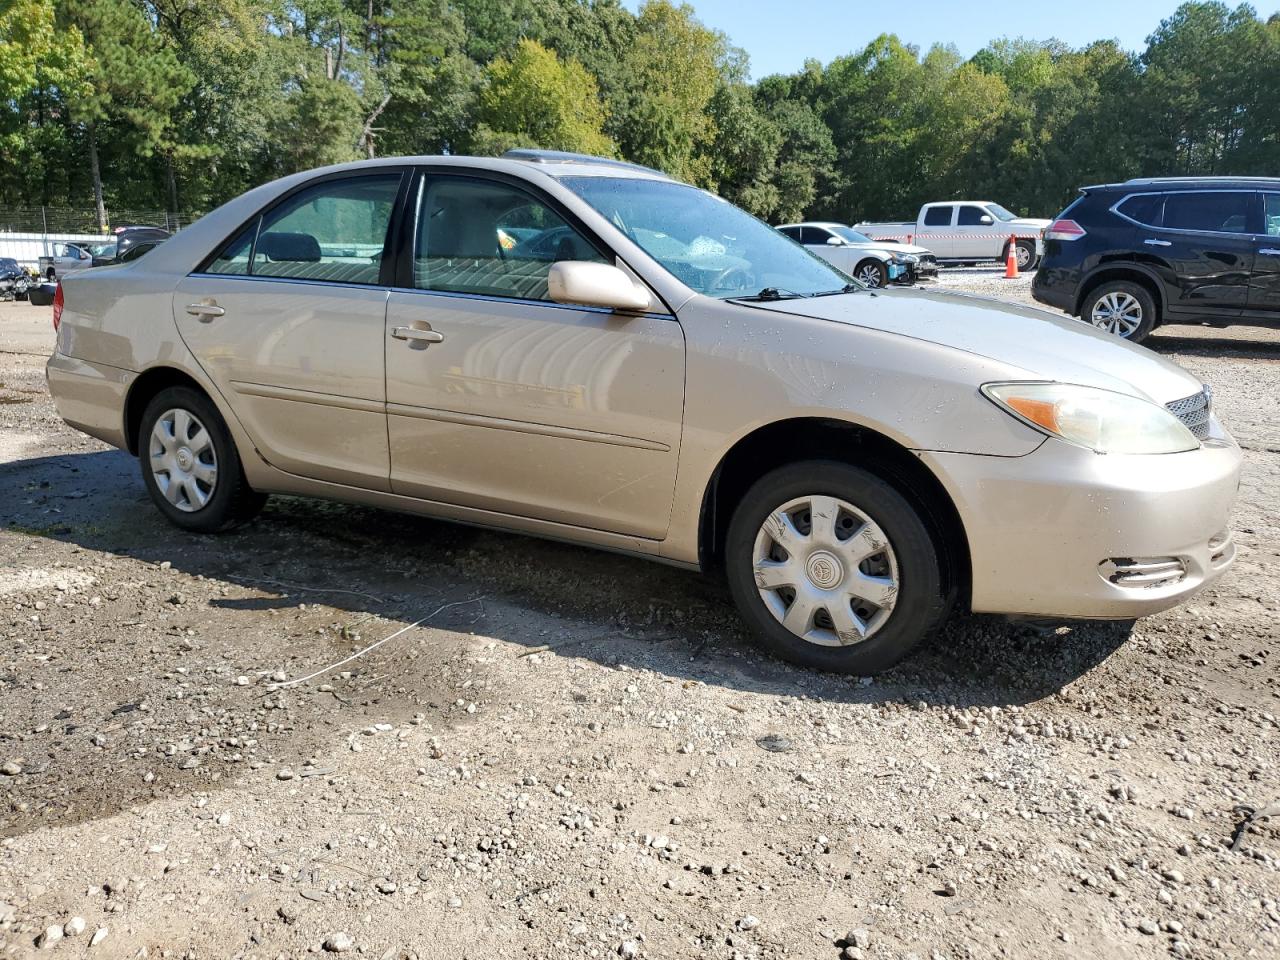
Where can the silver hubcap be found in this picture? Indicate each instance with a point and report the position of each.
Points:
(825, 570)
(1118, 313)
(1023, 256)
(183, 461)
(870, 275)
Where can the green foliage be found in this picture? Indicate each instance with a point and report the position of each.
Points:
(536, 99)
(186, 103)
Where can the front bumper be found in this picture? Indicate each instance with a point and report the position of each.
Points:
(1065, 532)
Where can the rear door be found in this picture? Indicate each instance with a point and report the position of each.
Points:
(936, 231)
(1206, 249)
(499, 398)
(287, 319)
(1264, 288)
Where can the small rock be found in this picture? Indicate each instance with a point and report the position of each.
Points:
(338, 943)
(748, 923)
(775, 743)
(285, 774)
(11, 769)
(116, 886)
(629, 949)
(860, 938)
(98, 936)
(1148, 927)
(73, 927)
(49, 937)
(385, 886)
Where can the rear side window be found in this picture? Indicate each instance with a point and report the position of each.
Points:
(1146, 208)
(972, 217)
(1216, 211)
(489, 238)
(792, 232)
(1271, 214)
(938, 217)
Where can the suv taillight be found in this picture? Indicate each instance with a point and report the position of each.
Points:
(57, 306)
(1064, 230)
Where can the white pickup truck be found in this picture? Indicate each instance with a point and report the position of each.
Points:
(967, 230)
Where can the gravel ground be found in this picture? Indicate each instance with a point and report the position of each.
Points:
(580, 755)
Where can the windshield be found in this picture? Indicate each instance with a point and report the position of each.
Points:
(103, 250)
(853, 236)
(1000, 213)
(707, 243)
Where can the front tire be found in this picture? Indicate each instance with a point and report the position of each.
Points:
(833, 569)
(190, 464)
(873, 273)
(1121, 307)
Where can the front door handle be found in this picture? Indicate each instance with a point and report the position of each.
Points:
(1270, 251)
(1157, 243)
(416, 335)
(205, 310)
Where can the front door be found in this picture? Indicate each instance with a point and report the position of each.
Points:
(502, 400)
(1264, 289)
(978, 235)
(287, 320)
(1207, 249)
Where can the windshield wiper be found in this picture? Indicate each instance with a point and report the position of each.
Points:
(772, 293)
(847, 288)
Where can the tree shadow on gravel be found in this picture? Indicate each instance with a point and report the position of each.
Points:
(615, 610)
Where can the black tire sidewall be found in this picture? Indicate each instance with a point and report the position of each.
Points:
(1139, 292)
(881, 270)
(1030, 247)
(225, 508)
(921, 606)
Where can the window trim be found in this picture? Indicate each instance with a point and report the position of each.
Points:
(388, 244)
(405, 276)
(1253, 212)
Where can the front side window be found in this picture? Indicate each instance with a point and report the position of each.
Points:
(707, 243)
(971, 217)
(815, 236)
(938, 217)
(1213, 211)
(335, 231)
(1271, 214)
(492, 239)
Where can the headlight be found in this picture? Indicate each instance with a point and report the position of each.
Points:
(1101, 420)
(905, 258)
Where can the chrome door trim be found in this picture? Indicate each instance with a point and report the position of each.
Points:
(1164, 193)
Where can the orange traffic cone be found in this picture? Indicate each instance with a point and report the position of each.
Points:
(1011, 259)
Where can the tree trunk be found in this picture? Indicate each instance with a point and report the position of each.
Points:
(96, 173)
(172, 179)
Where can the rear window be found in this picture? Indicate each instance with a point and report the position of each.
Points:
(1145, 208)
(938, 217)
(1214, 211)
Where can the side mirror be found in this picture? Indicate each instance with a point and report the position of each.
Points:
(834, 242)
(986, 220)
(595, 285)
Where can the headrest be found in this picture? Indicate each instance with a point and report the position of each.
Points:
(301, 247)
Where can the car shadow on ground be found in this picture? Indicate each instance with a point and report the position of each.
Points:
(1175, 340)
(615, 609)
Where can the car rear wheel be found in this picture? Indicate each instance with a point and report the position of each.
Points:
(1024, 252)
(872, 273)
(832, 568)
(1123, 308)
(190, 464)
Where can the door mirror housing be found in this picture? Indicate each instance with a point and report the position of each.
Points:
(595, 285)
(835, 242)
(986, 220)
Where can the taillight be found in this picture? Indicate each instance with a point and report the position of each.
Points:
(57, 306)
(1064, 230)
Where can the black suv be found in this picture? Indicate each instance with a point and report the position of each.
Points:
(1127, 257)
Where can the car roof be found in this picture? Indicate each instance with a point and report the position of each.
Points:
(553, 163)
(1187, 183)
(814, 223)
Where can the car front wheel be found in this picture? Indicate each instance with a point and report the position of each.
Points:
(190, 464)
(832, 568)
(1126, 309)
(873, 273)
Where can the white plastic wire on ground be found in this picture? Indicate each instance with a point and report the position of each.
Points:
(373, 646)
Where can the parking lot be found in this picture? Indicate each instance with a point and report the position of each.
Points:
(580, 755)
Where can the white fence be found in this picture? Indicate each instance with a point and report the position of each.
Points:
(27, 248)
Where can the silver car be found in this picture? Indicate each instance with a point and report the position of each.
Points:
(670, 378)
(877, 263)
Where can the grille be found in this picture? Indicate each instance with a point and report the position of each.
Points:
(1143, 571)
(1193, 411)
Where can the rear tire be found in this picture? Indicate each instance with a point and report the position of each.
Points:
(858, 547)
(1123, 308)
(190, 464)
(1025, 251)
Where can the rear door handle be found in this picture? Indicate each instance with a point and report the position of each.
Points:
(416, 335)
(1270, 251)
(206, 310)
(1157, 243)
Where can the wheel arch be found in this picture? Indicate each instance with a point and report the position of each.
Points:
(1111, 272)
(794, 440)
(149, 383)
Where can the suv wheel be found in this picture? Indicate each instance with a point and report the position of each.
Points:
(833, 569)
(190, 464)
(1121, 307)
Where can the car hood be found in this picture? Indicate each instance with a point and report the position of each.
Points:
(890, 248)
(1042, 345)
